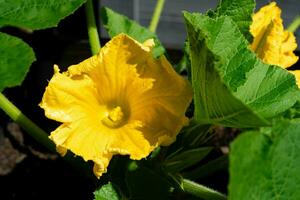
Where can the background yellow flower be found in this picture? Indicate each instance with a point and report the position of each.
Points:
(121, 101)
(271, 42)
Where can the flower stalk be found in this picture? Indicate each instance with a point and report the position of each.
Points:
(92, 28)
(156, 15)
(201, 191)
(294, 25)
(30, 127)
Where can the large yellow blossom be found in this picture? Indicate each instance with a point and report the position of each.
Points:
(271, 42)
(121, 101)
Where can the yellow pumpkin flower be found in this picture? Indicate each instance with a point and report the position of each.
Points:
(120, 101)
(271, 42)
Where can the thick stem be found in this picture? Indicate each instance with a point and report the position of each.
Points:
(294, 25)
(156, 15)
(92, 28)
(201, 191)
(31, 128)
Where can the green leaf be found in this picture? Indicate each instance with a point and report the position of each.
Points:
(193, 136)
(207, 169)
(106, 192)
(232, 87)
(36, 14)
(184, 63)
(15, 59)
(293, 112)
(181, 160)
(116, 23)
(240, 11)
(266, 164)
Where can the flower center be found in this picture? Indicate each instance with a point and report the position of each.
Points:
(114, 118)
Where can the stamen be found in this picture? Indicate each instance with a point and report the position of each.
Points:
(114, 118)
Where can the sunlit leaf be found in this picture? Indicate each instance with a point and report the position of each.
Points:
(266, 164)
(240, 11)
(15, 59)
(36, 14)
(232, 87)
(116, 23)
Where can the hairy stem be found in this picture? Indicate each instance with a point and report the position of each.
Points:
(31, 128)
(156, 15)
(201, 191)
(294, 25)
(92, 28)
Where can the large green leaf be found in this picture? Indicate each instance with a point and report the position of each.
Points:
(266, 164)
(232, 87)
(106, 192)
(240, 11)
(36, 14)
(15, 59)
(116, 23)
(184, 63)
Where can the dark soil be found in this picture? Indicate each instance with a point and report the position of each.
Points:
(39, 179)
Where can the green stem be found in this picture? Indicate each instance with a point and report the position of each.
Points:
(201, 191)
(294, 25)
(31, 128)
(92, 28)
(156, 15)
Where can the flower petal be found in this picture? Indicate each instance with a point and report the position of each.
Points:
(101, 164)
(160, 125)
(113, 70)
(161, 109)
(131, 141)
(121, 101)
(67, 98)
(86, 138)
(271, 42)
(169, 89)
